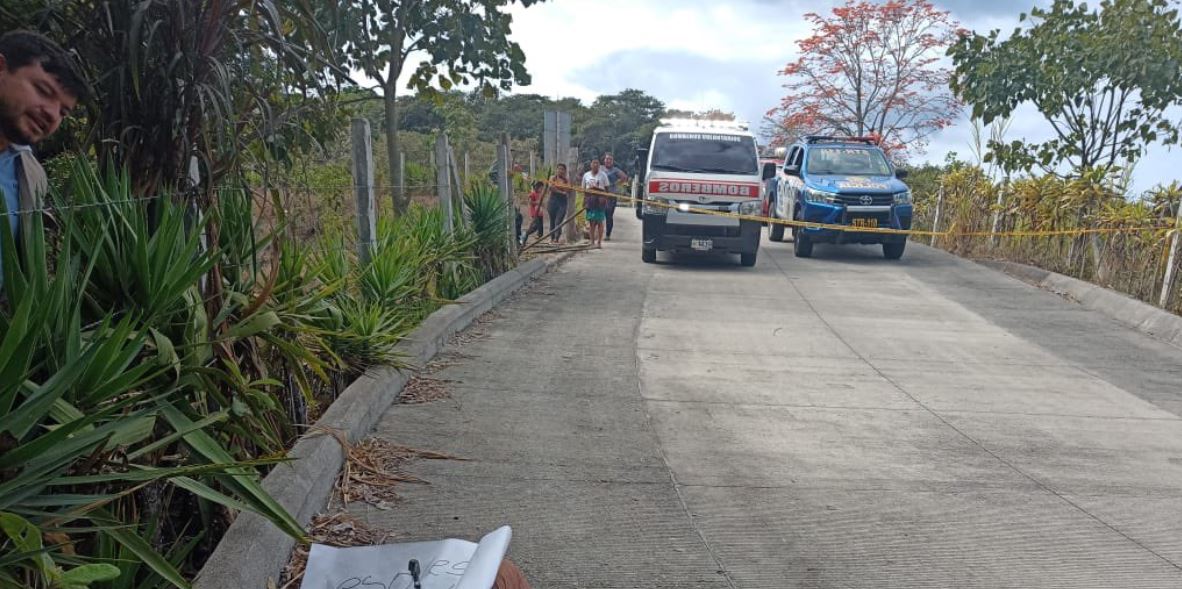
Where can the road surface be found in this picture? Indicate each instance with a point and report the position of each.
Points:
(842, 421)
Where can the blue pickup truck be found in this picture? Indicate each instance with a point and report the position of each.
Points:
(841, 181)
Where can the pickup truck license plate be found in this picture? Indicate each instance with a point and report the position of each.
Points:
(702, 245)
(867, 222)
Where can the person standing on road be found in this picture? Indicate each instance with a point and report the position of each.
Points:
(557, 204)
(595, 179)
(39, 87)
(615, 182)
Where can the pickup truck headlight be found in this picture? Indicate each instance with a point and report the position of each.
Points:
(903, 198)
(813, 195)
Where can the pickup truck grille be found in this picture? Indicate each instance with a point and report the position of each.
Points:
(875, 199)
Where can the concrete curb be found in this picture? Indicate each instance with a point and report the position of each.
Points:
(1137, 314)
(254, 551)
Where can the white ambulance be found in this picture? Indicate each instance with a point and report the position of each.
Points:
(693, 165)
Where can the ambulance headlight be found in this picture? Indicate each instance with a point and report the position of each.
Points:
(814, 195)
(751, 207)
(651, 209)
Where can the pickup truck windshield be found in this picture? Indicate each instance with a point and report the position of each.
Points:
(846, 161)
(707, 153)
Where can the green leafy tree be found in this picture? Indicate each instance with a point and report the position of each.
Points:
(466, 42)
(519, 115)
(1102, 78)
(617, 123)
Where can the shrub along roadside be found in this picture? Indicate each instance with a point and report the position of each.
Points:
(136, 416)
(1125, 257)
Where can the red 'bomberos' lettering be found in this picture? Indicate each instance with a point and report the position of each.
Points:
(710, 188)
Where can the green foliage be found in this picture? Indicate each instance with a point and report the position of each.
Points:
(133, 410)
(615, 123)
(1102, 78)
(467, 41)
(618, 124)
(174, 79)
(106, 394)
(489, 222)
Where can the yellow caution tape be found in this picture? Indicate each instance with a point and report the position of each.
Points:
(851, 229)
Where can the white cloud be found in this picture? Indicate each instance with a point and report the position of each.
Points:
(564, 37)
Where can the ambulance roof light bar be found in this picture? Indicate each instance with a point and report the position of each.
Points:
(704, 123)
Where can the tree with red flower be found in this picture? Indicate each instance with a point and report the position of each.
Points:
(873, 69)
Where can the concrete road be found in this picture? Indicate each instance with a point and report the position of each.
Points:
(842, 421)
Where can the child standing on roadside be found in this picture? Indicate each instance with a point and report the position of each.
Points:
(535, 210)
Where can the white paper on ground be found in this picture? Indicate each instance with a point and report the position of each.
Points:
(445, 564)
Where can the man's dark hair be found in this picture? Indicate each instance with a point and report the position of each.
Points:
(22, 48)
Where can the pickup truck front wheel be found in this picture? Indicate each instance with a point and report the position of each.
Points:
(777, 232)
(648, 255)
(893, 251)
(802, 244)
(747, 259)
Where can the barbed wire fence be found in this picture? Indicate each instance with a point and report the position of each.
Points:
(334, 213)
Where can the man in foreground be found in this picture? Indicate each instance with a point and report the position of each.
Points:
(39, 87)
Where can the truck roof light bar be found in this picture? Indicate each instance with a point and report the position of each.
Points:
(811, 139)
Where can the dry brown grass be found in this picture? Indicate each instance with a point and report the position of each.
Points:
(422, 389)
(339, 529)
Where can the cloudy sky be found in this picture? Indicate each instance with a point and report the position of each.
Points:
(700, 54)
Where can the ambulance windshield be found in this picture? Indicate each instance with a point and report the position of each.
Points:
(705, 153)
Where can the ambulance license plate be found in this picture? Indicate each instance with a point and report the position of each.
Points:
(865, 222)
(702, 245)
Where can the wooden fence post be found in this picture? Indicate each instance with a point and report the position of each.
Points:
(505, 183)
(402, 176)
(997, 213)
(572, 228)
(443, 179)
(936, 219)
(363, 188)
(1167, 283)
(458, 188)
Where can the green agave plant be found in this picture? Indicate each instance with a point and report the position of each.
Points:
(143, 373)
(106, 396)
(488, 220)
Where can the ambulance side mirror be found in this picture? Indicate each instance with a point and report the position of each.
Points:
(641, 158)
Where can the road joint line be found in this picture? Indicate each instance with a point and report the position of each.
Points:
(665, 458)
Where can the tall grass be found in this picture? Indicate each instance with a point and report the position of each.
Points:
(1129, 254)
